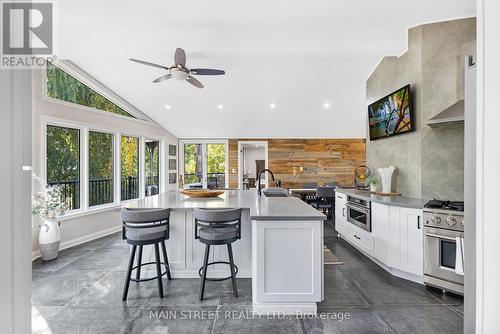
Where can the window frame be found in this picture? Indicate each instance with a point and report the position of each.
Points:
(117, 133)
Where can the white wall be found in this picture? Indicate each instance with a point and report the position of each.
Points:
(251, 154)
(488, 160)
(82, 228)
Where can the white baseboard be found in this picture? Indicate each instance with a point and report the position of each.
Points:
(284, 308)
(81, 240)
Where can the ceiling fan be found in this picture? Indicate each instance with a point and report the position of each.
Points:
(179, 71)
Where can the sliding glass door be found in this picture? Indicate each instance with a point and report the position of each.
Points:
(204, 164)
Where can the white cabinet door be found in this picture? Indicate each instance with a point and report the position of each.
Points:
(340, 213)
(394, 243)
(411, 241)
(380, 231)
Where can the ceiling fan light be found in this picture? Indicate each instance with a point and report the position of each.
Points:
(179, 74)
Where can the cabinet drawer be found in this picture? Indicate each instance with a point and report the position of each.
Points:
(360, 238)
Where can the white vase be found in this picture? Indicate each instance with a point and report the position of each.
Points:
(373, 188)
(386, 176)
(49, 239)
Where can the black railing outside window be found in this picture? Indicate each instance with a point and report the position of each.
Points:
(100, 191)
(214, 180)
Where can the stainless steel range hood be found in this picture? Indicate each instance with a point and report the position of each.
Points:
(451, 115)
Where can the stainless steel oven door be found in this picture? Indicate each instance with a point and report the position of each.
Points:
(359, 216)
(440, 253)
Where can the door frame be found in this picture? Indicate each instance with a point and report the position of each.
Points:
(204, 143)
(242, 143)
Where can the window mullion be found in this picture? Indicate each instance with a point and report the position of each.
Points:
(142, 165)
(117, 167)
(84, 168)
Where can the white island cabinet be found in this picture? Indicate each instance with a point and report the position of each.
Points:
(396, 238)
(281, 247)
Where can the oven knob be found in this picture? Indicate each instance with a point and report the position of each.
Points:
(450, 220)
(436, 219)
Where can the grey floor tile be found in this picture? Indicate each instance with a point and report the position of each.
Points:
(107, 291)
(244, 292)
(428, 319)
(60, 288)
(240, 319)
(339, 291)
(102, 259)
(92, 320)
(446, 297)
(40, 315)
(37, 275)
(458, 308)
(165, 319)
(383, 288)
(345, 320)
(184, 292)
(97, 243)
(62, 261)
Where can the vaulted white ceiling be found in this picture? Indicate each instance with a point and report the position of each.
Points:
(298, 55)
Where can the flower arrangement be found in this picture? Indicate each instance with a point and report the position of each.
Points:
(48, 203)
(373, 181)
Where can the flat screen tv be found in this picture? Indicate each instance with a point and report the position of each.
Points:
(391, 115)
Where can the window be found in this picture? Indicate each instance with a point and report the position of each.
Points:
(62, 86)
(63, 162)
(216, 166)
(193, 165)
(204, 164)
(100, 168)
(152, 167)
(129, 168)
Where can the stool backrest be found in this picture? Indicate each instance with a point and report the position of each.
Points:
(217, 218)
(325, 192)
(142, 219)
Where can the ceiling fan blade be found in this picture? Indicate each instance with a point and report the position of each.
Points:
(207, 71)
(180, 57)
(163, 77)
(148, 63)
(193, 81)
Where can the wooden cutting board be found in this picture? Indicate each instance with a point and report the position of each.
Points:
(385, 194)
(199, 193)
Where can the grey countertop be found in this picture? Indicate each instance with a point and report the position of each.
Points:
(260, 207)
(402, 201)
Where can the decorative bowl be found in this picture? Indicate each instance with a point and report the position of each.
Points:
(199, 193)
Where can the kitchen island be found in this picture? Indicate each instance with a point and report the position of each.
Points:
(281, 246)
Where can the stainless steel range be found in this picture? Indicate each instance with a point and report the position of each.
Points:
(443, 245)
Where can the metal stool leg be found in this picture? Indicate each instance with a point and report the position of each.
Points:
(139, 262)
(231, 265)
(129, 273)
(204, 275)
(158, 270)
(165, 258)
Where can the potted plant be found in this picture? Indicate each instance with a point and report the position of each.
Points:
(48, 205)
(373, 182)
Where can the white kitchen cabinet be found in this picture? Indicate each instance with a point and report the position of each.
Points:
(411, 241)
(340, 213)
(380, 231)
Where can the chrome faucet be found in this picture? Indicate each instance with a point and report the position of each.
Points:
(277, 182)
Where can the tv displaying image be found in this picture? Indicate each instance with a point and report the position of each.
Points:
(391, 115)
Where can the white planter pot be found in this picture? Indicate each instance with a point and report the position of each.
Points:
(49, 239)
(373, 188)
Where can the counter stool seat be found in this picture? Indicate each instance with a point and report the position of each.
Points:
(217, 227)
(142, 227)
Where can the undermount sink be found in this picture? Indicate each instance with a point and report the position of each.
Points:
(275, 193)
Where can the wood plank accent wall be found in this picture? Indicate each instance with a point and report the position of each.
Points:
(322, 160)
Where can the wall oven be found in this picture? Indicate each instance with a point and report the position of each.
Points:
(441, 233)
(359, 213)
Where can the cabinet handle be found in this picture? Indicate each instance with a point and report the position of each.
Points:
(418, 222)
(343, 212)
(357, 237)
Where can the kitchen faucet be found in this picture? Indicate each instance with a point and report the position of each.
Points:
(277, 182)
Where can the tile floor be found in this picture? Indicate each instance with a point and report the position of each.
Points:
(80, 292)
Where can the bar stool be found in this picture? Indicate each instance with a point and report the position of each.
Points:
(146, 227)
(217, 227)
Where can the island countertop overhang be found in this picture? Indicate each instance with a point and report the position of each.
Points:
(260, 207)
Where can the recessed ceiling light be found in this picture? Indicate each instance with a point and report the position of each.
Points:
(326, 105)
(220, 106)
(167, 107)
(272, 106)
